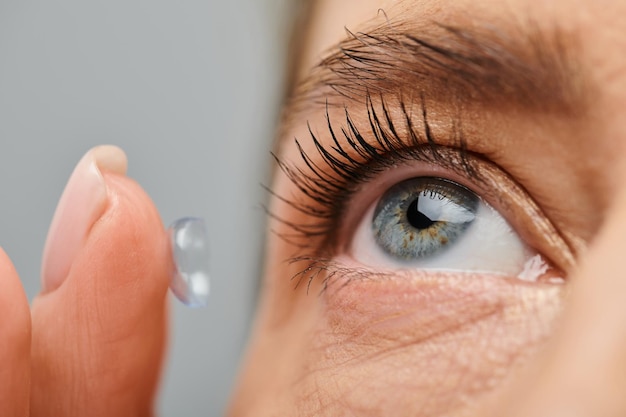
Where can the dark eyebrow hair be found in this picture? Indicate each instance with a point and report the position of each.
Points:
(525, 68)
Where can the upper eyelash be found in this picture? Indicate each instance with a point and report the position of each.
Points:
(326, 195)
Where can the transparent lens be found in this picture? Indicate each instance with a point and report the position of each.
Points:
(190, 251)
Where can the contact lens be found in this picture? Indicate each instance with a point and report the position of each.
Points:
(190, 252)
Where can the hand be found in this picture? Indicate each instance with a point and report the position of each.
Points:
(94, 339)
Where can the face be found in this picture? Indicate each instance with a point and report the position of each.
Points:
(447, 215)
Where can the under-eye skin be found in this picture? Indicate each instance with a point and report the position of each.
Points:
(420, 217)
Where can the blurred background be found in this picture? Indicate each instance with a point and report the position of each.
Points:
(190, 90)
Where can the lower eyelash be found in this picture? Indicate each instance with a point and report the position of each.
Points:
(351, 160)
(329, 272)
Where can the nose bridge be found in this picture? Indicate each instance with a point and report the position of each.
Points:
(584, 369)
(596, 306)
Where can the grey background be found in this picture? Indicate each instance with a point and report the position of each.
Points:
(190, 90)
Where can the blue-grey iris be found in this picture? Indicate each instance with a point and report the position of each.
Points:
(420, 217)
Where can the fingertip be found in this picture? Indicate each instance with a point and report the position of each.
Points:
(82, 203)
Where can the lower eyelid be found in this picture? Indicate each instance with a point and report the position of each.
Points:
(343, 270)
(378, 301)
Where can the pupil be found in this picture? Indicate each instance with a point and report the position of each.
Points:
(416, 218)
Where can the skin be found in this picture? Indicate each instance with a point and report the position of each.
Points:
(401, 343)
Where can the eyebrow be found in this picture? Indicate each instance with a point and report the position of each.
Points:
(525, 68)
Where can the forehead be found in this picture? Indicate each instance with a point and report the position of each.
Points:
(596, 18)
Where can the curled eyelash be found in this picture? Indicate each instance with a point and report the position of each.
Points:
(327, 181)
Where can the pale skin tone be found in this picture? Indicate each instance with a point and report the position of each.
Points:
(398, 343)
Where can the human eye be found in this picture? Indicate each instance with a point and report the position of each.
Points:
(380, 198)
(435, 223)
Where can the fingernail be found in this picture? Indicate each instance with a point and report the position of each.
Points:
(82, 203)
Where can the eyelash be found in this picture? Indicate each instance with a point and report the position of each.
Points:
(328, 194)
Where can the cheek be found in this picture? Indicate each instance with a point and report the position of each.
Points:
(431, 345)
